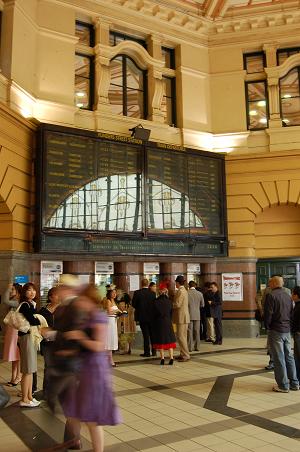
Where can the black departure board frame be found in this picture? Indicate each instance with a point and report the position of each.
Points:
(75, 158)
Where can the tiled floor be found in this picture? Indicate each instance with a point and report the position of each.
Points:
(221, 400)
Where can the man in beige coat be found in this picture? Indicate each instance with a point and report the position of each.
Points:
(181, 318)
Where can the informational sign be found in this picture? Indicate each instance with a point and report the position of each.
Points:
(104, 268)
(232, 286)
(151, 268)
(93, 197)
(193, 269)
(134, 282)
(51, 267)
(21, 279)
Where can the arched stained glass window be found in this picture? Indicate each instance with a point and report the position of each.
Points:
(290, 98)
(113, 203)
(127, 91)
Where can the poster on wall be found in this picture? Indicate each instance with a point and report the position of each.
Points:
(232, 286)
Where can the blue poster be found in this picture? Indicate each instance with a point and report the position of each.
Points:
(21, 279)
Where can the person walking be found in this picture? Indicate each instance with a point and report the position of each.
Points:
(142, 302)
(278, 312)
(181, 318)
(92, 401)
(163, 333)
(196, 302)
(11, 353)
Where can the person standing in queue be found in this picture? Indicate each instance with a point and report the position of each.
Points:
(181, 318)
(142, 302)
(215, 303)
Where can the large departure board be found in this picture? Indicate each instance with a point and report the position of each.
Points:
(109, 194)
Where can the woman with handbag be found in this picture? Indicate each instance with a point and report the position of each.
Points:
(28, 351)
(10, 348)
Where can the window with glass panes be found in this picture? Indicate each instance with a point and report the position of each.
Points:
(284, 54)
(168, 55)
(290, 98)
(254, 62)
(257, 107)
(168, 106)
(84, 66)
(256, 91)
(127, 92)
(115, 38)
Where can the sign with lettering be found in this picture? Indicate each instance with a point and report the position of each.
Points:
(104, 268)
(151, 268)
(232, 286)
(193, 269)
(51, 267)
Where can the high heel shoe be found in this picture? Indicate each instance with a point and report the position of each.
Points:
(162, 362)
(171, 362)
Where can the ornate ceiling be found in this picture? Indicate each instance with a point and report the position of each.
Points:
(218, 9)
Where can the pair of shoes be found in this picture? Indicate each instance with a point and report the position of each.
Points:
(113, 364)
(144, 355)
(11, 384)
(278, 389)
(269, 367)
(209, 340)
(162, 362)
(181, 359)
(217, 343)
(32, 404)
(171, 362)
(294, 388)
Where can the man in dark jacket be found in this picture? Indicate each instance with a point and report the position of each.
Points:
(142, 302)
(296, 327)
(278, 311)
(215, 303)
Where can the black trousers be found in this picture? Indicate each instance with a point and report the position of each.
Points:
(147, 335)
(203, 325)
(218, 329)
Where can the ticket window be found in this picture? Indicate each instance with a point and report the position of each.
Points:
(104, 272)
(50, 273)
(152, 278)
(194, 274)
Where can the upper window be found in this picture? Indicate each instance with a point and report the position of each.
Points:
(115, 38)
(283, 54)
(257, 108)
(254, 62)
(127, 91)
(290, 98)
(168, 103)
(84, 66)
(169, 57)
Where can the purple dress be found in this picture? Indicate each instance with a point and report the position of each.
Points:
(92, 398)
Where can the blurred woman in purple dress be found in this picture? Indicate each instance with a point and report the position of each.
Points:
(92, 401)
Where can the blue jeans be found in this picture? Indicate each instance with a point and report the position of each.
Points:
(284, 364)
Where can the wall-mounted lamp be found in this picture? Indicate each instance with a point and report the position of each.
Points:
(140, 133)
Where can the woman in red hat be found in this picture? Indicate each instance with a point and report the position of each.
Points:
(163, 333)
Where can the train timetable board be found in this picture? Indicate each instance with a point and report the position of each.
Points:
(116, 195)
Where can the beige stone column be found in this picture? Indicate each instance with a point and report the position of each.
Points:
(102, 66)
(155, 84)
(273, 87)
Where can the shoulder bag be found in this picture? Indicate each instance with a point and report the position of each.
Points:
(16, 320)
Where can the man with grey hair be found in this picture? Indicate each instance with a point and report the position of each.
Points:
(278, 311)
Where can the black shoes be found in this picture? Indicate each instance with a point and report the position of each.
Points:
(145, 355)
(269, 367)
(217, 343)
(171, 362)
(162, 362)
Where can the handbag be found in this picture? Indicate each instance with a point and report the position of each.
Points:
(16, 320)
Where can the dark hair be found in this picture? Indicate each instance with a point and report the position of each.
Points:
(192, 284)
(213, 283)
(18, 288)
(24, 290)
(207, 284)
(296, 291)
(152, 284)
(52, 291)
(109, 292)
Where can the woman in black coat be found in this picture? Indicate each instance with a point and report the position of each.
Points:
(163, 334)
